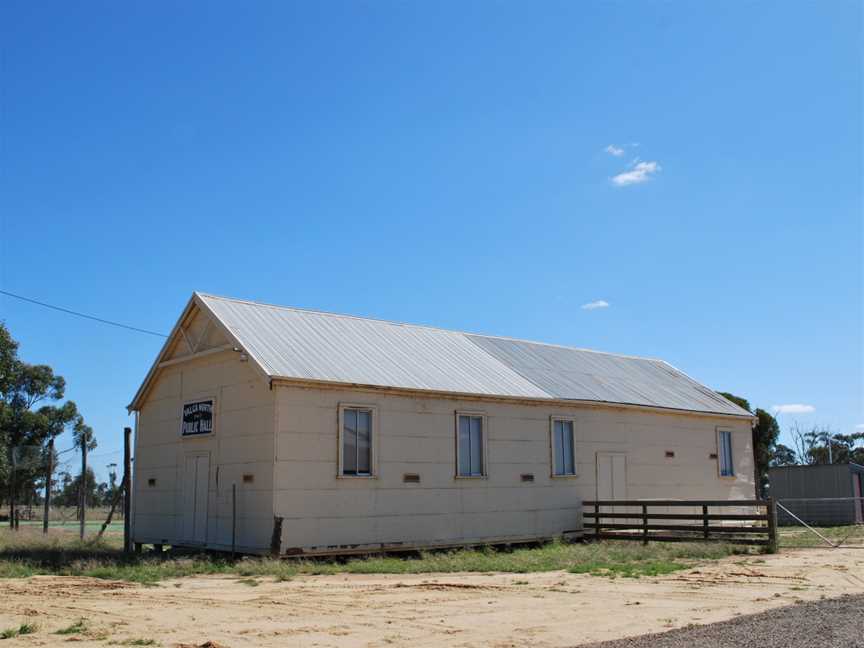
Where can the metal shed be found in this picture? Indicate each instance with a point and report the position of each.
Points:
(821, 494)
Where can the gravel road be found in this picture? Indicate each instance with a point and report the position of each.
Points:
(838, 623)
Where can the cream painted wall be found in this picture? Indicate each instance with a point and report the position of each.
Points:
(417, 435)
(242, 444)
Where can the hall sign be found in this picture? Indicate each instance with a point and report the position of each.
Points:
(197, 418)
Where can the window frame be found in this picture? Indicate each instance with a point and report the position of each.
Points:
(552, 456)
(484, 443)
(718, 439)
(373, 442)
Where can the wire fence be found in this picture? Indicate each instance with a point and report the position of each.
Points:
(821, 522)
(30, 465)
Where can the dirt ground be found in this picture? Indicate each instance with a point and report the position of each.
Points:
(459, 610)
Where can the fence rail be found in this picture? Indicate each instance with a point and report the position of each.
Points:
(706, 525)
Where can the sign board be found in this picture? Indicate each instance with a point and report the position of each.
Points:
(197, 418)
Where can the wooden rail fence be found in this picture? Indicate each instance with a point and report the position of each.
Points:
(707, 524)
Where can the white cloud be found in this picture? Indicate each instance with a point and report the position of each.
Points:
(594, 305)
(641, 172)
(614, 150)
(859, 427)
(794, 408)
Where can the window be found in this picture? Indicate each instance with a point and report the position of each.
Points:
(724, 441)
(563, 453)
(356, 441)
(470, 445)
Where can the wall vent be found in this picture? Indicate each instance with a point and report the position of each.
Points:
(248, 479)
(670, 454)
(527, 477)
(411, 478)
(151, 482)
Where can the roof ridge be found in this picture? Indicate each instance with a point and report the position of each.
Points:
(427, 327)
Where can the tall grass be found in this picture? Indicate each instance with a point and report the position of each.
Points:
(27, 555)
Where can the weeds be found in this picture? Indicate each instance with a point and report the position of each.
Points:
(76, 628)
(23, 629)
(251, 582)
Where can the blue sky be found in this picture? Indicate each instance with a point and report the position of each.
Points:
(486, 166)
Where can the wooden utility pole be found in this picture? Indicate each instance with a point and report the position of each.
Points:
(83, 484)
(49, 469)
(127, 489)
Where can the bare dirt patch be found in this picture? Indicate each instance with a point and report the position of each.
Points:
(459, 610)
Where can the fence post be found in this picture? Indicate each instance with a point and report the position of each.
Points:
(644, 524)
(771, 510)
(276, 537)
(49, 469)
(597, 519)
(705, 521)
(127, 490)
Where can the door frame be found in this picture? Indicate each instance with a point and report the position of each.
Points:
(610, 453)
(186, 456)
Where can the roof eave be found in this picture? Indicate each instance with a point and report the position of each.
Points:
(510, 398)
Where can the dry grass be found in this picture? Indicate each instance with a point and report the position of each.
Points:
(23, 629)
(25, 554)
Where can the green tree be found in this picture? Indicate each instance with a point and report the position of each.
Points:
(783, 456)
(27, 386)
(8, 357)
(8, 365)
(70, 493)
(28, 419)
(765, 434)
(83, 434)
(848, 448)
(811, 446)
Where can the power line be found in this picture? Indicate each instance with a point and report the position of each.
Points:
(84, 315)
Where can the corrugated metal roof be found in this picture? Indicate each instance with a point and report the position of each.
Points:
(301, 344)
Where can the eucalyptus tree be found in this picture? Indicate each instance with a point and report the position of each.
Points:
(30, 416)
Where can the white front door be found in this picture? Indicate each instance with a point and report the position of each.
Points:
(611, 476)
(196, 484)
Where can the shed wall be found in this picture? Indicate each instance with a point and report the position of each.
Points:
(804, 491)
(242, 444)
(417, 435)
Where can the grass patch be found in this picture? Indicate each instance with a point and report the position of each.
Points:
(251, 582)
(800, 536)
(23, 555)
(76, 628)
(23, 629)
(631, 570)
(138, 642)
